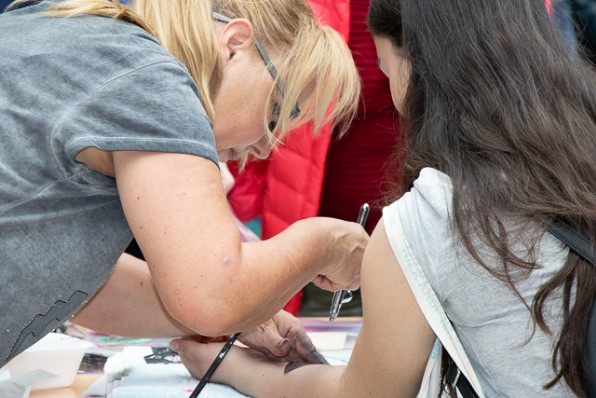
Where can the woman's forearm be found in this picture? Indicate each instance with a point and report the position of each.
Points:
(206, 278)
(128, 305)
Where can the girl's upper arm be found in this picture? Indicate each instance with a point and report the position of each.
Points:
(395, 340)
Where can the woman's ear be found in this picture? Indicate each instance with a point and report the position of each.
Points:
(237, 35)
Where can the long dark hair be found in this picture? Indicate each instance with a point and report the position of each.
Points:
(496, 102)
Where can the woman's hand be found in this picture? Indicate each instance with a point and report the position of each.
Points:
(345, 243)
(274, 344)
(284, 338)
(254, 373)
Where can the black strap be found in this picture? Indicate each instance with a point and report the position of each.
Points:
(457, 379)
(572, 238)
(581, 245)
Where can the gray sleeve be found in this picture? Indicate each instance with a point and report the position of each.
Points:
(153, 108)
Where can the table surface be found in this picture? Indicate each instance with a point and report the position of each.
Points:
(350, 325)
(80, 384)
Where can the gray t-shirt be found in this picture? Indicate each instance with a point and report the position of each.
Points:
(67, 84)
(494, 327)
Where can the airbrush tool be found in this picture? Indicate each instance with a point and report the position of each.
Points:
(345, 296)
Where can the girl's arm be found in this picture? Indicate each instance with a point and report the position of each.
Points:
(388, 360)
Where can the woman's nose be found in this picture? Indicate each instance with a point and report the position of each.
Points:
(261, 149)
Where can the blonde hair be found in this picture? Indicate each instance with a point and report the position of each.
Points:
(315, 57)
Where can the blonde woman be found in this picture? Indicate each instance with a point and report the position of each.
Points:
(113, 123)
